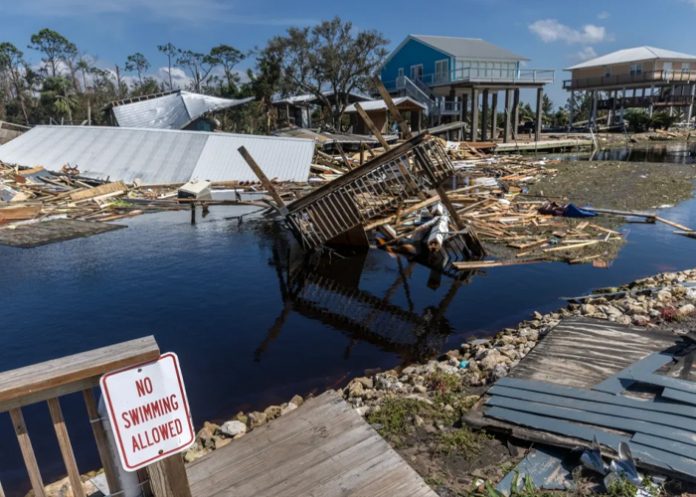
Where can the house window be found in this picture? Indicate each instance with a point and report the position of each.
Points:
(667, 67)
(686, 67)
(417, 72)
(636, 69)
(607, 72)
(442, 70)
(400, 72)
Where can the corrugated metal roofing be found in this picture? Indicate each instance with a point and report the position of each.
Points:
(381, 104)
(173, 111)
(158, 156)
(468, 48)
(635, 54)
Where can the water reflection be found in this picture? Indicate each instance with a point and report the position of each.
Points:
(326, 288)
(669, 153)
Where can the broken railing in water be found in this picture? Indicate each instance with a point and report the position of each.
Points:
(337, 212)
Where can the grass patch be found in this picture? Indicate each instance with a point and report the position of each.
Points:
(461, 440)
(621, 487)
(394, 419)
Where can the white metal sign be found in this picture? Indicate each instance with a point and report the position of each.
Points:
(148, 411)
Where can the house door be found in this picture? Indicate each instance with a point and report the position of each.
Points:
(417, 72)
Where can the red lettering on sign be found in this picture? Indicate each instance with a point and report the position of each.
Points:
(144, 386)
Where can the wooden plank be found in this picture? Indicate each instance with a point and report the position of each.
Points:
(662, 381)
(653, 457)
(168, 478)
(263, 178)
(65, 446)
(581, 352)
(371, 126)
(679, 395)
(599, 407)
(71, 374)
(28, 455)
(324, 448)
(2, 492)
(615, 422)
(673, 446)
(98, 191)
(657, 406)
(393, 110)
(105, 454)
(618, 383)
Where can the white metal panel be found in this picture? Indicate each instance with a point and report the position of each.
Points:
(285, 159)
(158, 156)
(166, 112)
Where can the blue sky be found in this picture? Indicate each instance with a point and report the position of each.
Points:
(552, 34)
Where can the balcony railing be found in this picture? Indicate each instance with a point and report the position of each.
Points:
(480, 75)
(624, 79)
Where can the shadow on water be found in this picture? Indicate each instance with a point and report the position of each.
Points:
(253, 322)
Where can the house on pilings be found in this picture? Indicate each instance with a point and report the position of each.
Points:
(460, 79)
(642, 77)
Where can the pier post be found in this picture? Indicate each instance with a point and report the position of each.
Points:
(484, 118)
(537, 128)
(516, 113)
(494, 116)
(508, 105)
(193, 213)
(464, 104)
(474, 116)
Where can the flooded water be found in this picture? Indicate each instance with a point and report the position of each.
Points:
(252, 323)
(667, 152)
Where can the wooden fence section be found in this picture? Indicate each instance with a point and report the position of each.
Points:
(50, 380)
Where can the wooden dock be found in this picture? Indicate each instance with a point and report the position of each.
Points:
(545, 145)
(322, 449)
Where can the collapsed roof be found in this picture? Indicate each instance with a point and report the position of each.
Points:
(170, 111)
(158, 157)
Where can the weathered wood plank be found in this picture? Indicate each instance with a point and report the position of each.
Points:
(100, 437)
(168, 478)
(58, 377)
(98, 191)
(322, 449)
(27, 450)
(65, 446)
(581, 352)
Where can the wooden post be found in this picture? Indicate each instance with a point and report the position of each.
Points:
(516, 113)
(484, 117)
(396, 115)
(27, 449)
(371, 126)
(2, 492)
(102, 442)
(193, 212)
(494, 117)
(168, 478)
(474, 116)
(263, 178)
(65, 446)
(537, 128)
(508, 112)
(343, 155)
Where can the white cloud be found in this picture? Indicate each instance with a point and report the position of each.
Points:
(192, 11)
(550, 30)
(604, 15)
(586, 53)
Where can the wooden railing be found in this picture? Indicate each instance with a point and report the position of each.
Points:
(50, 380)
(657, 77)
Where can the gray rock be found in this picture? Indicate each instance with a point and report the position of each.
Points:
(233, 429)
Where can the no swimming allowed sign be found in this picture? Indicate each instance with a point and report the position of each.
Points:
(148, 411)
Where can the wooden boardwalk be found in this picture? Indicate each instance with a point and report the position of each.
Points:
(322, 449)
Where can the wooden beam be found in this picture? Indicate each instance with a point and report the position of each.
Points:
(371, 126)
(65, 446)
(394, 111)
(102, 441)
(28, 455)
(263, 178)
(343, 156)
(168, 478)
(70, 374)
